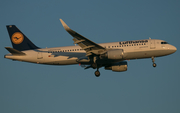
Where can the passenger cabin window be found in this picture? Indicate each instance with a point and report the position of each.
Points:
(164, 43)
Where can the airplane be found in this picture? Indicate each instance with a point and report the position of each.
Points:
(112, 56)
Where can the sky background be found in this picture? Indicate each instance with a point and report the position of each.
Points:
(32, 88)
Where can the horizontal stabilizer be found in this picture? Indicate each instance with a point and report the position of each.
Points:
(14, 51)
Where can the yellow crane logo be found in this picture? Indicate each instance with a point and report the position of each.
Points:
(17, 38)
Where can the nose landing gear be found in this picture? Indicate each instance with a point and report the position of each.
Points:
(154, 64)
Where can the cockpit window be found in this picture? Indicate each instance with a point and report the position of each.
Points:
(164, 42)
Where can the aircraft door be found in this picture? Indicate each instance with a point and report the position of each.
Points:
(152, 44)
(39, 55)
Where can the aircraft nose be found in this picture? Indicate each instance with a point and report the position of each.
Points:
(174, 49)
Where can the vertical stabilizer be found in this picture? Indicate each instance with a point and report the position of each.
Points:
(19, 41)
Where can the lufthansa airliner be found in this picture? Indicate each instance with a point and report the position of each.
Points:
(111, 56)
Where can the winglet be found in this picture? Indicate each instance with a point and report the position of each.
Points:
(64, 25)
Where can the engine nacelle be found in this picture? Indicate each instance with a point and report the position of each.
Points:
(118, 67)
(114, 54)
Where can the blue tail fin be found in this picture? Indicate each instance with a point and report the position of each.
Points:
(19, 40)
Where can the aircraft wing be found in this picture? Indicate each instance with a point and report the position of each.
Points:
(89, 46)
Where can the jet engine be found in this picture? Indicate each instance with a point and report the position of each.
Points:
(114, 54)
(118, 67)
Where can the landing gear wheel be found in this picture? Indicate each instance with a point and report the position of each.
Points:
(154, 64)
(97, 73)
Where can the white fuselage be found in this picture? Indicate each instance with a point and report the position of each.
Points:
(70, 54)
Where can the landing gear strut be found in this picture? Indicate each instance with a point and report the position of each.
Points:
(154, 64)
(95, 65)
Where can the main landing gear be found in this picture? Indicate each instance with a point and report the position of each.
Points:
(97, 73)
(154, 64)
(96, 66)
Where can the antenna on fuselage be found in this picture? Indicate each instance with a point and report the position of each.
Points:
(149, 37)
